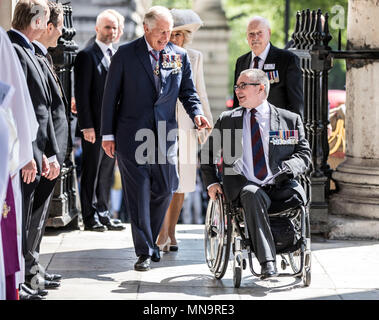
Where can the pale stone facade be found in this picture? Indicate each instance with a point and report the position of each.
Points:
(354, 210)
(212, 40)
(86, 11)
(6, 10)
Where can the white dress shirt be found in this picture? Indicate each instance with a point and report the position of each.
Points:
(246, 166)
(262, 57)
(104, 48)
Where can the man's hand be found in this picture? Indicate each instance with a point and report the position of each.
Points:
(55, 169)
(73, 106)
(213, 190)
(45, 166)
(109, 148)
(89, 135)
(29, 171)
(202, 122)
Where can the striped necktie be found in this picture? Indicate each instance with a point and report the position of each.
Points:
(259, 161)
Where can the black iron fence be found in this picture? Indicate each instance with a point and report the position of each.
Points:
(65, 205)
(310, 42)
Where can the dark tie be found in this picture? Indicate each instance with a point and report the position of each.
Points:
(50, 59)
(256, 60)
(259, 161)
(110, 53)
(155, 66)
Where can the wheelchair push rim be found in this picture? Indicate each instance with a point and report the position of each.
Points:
(217, 234)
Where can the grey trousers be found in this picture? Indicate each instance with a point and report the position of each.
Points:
(256, 202)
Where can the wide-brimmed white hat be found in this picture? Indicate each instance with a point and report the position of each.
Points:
(186, 19)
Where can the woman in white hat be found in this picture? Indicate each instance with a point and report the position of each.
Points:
(186, 23)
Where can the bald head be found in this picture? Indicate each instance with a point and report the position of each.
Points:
(258, 34)
(106, 27)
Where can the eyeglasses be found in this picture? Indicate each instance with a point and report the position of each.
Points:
(243, 85)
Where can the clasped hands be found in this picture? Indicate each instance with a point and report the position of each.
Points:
(50, 170)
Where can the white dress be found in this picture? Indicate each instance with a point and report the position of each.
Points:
(188, 134)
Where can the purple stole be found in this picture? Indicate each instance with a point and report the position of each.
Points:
(9, 238)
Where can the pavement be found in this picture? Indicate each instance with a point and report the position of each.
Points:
(99, 266)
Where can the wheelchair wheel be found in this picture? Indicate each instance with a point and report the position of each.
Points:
(237, 270)
(295, 260)
(217, 237)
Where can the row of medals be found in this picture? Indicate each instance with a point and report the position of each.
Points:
(170, 62)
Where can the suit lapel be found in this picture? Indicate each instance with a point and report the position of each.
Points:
(274, 126)
(18, 39)
(143, 55)
(271, 58)
(33, 58)
(247, 61)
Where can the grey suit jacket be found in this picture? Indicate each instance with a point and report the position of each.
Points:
(229, 143)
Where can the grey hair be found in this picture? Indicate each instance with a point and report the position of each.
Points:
(106, 13)
(261, 20)
(257, 75)
(156, 12)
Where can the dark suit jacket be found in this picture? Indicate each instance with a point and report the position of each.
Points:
(296, 156)
(288, 92)
(90, 70)
(132, 102)
(40, 94)
(59, 105)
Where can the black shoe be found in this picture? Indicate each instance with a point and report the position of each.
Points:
(156, 256)
(113, 226)
(26, 296)
(268, 270)
(52, 276)
(37, 281)
(143, 263)
(95, 227)
(174, 247)
(29, 290)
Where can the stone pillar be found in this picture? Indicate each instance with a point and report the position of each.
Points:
(355, 208)
(6, 11)
(212, 40)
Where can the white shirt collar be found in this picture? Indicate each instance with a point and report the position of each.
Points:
(104, 47)
(149, 47)
(264, 53)
(41, 46)
(263, 109)
(25, 37)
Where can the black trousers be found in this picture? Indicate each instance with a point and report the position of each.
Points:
(256, 202)
(96, 179)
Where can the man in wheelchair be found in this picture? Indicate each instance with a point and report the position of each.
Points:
(264, 149)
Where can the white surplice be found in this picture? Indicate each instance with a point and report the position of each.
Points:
(26, 124)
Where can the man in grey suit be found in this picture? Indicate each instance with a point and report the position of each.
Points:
(265, 139)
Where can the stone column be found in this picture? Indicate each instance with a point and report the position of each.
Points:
(355, 208)
(212, 40)
(6, 11)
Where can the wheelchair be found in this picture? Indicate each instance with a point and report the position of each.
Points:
(226, 228)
